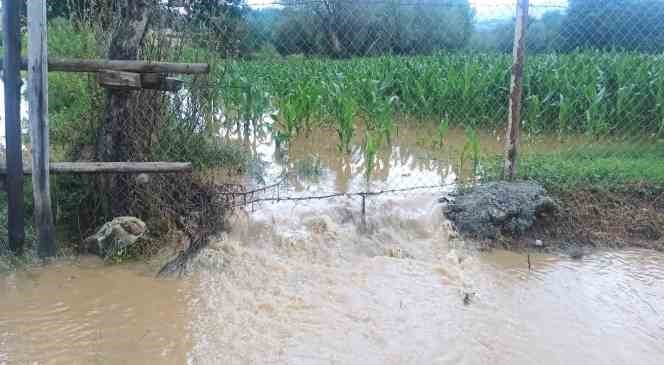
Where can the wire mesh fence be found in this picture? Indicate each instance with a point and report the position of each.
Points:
(326, 98)
(363, 96)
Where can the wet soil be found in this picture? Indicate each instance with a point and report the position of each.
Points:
(632, 216)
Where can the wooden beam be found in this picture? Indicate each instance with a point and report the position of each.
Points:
(516, 92)
(111, 168)
(157, 81)
(119, 80)
(11, 65)
(80, 65)
(38, 112)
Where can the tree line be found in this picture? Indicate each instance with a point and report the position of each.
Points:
(345, 28)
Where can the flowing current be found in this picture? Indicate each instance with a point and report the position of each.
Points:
(301, 285)
(310, 283)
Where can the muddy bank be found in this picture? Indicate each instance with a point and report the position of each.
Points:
(524, 215)
(631, 216)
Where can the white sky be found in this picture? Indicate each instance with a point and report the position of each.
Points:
(485, 9)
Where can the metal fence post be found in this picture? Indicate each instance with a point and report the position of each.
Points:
(516, 92)
(12, 79)
(38, 100)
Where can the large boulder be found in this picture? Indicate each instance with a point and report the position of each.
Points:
(510, 208)
(115, 236)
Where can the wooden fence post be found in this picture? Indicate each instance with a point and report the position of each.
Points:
(512, 139)
(12, 79)
(38, 101)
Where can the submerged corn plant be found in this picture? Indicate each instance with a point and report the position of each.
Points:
(344, 110)
(288, 121)
(472, 147)
(345, 125)
(378, 106)
(372, 143)
(441, 132)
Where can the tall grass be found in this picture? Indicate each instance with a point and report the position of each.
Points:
(592, 93)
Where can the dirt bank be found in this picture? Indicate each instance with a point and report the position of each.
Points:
(629, 216)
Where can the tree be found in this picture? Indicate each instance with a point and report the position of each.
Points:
(543, 34)
(343, 28)
(620, 24)
(223, 19)
(113, 141)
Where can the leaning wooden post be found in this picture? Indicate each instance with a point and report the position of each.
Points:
(516, 92)
(38, 101)
(12, 79)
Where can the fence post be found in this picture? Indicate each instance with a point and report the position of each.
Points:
(38, 100)
(516, 92)
(12, 64)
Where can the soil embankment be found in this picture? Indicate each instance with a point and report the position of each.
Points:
(521, 215)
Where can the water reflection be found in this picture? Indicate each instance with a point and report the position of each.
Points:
(413, 159)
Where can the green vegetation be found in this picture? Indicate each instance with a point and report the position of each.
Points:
(591, 93)
(341, 28)
(345, 28)
(603, 166)
(471, 149)
(7, 260)
(76, 107)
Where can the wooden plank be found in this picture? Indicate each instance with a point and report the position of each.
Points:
(14, 181)
(119, 80)
(516, 92)
(111, 168)
(38, 113)
(81, 65)
(155, 81)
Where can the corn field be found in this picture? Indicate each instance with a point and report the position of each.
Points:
(586, 92)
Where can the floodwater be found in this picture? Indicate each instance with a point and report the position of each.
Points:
(311, 282)
(86, 312)
(415, 158)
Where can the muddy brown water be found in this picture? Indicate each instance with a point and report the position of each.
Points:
(304, 282)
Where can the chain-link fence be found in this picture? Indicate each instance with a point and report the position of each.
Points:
(89, 123)
(324, 98)
(140, 126)
(357, 97)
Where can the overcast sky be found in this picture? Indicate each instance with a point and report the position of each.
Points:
(485, 9)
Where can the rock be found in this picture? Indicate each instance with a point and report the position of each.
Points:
(490, 209)
(575, 253)
(468, 298)
(546, 206)
(114, 236)
(497, 216)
